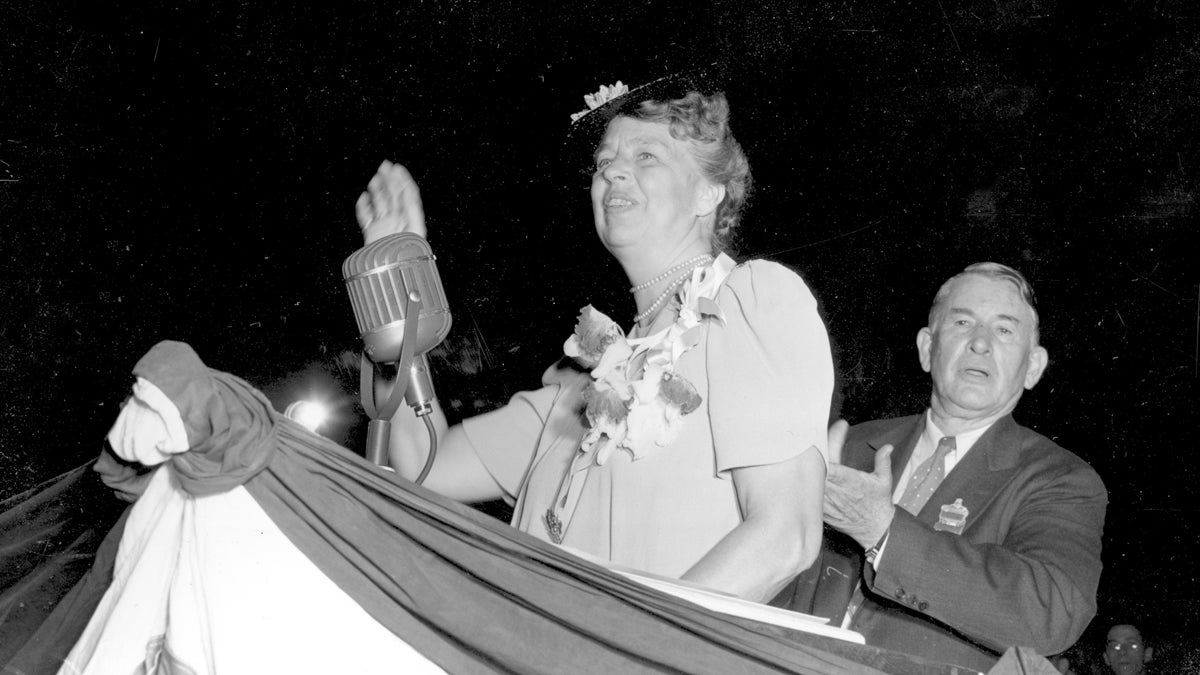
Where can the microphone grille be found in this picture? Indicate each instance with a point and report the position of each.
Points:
(379, 278)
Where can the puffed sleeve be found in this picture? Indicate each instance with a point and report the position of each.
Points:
(506, 439)
(770, 369)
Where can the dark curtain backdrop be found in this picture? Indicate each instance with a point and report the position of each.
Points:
(188, 171)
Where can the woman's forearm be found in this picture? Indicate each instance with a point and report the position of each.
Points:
(780, 535)
(754, 561)
(457, 471)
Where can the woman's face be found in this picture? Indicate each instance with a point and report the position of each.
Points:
(647, 190)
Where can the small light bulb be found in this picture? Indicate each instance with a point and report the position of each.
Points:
(309, 414)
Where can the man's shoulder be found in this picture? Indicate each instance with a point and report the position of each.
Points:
(892, 430)
(1039, 450)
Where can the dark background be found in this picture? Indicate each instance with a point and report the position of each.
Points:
(188, 171)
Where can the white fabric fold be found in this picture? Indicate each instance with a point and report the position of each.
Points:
(149, 428)
(211, 585)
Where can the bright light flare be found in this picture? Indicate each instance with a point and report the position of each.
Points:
(309, 414)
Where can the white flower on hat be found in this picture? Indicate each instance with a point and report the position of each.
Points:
(606, 94)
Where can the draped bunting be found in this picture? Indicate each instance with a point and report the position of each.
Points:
(48, 542)
(468, 593)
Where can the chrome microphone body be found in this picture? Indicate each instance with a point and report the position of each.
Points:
(402, 313)
(382, 278)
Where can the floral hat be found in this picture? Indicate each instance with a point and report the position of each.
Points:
(608, 101)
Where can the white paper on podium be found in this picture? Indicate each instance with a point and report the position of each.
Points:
(725, 603)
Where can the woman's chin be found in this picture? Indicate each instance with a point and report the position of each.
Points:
(621, 238)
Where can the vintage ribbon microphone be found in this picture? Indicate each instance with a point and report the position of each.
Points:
(402, 313)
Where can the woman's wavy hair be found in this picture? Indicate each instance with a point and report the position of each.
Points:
(703, 121)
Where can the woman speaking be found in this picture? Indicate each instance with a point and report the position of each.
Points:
(691, 445)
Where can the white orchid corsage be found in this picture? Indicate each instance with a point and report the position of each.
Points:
(606, 94)
(636, 400)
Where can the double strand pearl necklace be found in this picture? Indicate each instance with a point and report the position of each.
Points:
(694, 263)
(703, 257)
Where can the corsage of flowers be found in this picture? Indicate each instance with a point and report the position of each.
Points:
(606, 94)
(636, 400)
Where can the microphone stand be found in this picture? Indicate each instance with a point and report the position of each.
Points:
(418, 389)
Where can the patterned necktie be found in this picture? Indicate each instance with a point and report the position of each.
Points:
(926, 478)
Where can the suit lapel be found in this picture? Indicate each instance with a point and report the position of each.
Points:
(903, 440)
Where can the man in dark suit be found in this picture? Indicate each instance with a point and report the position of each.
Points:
(958, 533)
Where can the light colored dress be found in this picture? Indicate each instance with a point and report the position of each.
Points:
(765, 379)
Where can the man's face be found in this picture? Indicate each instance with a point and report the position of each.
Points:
(980, 351)
(1125, 654)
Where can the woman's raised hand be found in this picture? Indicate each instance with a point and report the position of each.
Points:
(390, 205)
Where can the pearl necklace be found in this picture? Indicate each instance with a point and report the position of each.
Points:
(703, 257)
(694, 262)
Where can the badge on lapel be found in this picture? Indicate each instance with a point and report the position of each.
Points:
(953, 517)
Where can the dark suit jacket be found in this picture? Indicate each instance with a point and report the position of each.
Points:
(1023, 572)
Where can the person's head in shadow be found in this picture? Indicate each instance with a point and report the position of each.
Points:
(1125, 652)
(1062, 663)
